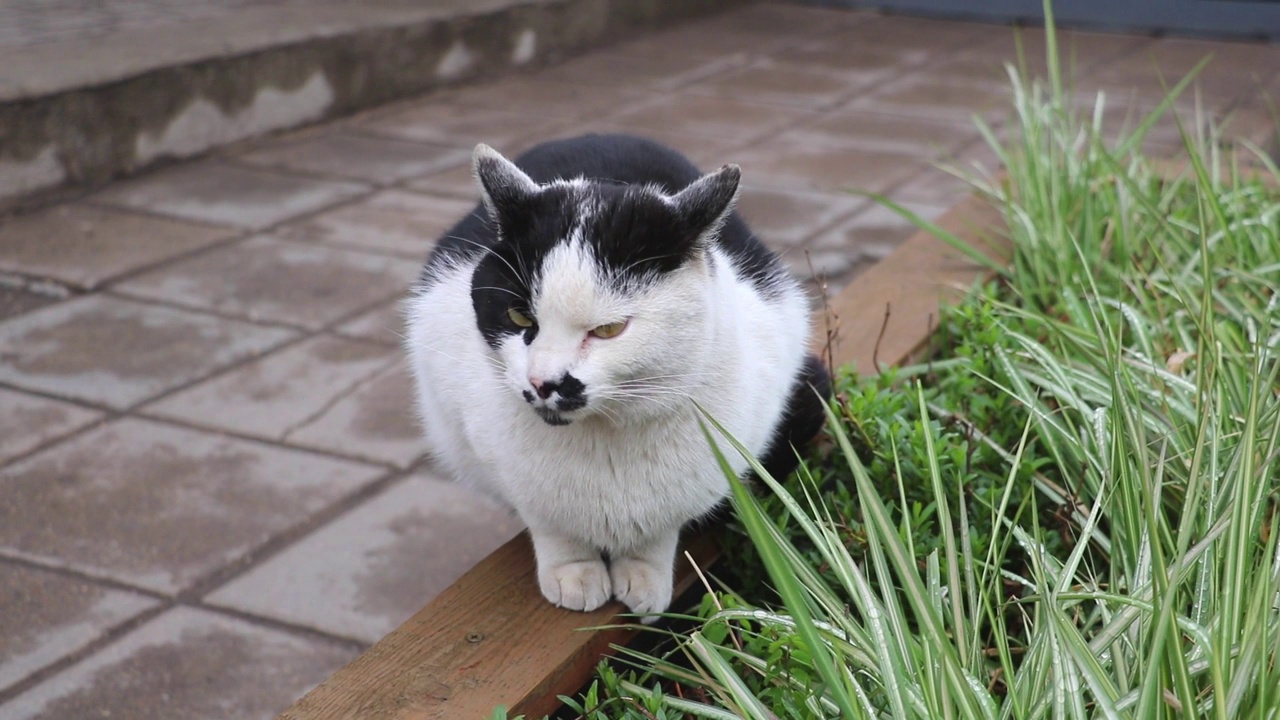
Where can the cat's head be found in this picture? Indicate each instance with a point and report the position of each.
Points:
(594, 298)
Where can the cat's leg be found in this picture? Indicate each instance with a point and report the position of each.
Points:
(571, 574)
(642, 577)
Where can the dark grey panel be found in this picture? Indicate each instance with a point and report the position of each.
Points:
(1259, 19)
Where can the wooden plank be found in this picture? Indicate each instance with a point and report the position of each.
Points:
(491, 639)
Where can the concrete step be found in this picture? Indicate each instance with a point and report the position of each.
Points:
(92, 91)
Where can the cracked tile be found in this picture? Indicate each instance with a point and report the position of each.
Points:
(161, 507)
(228, 195)
(118, 352)
(84, 246)
(271, 280)
(45, 616)
(379, 563)
(190, 664)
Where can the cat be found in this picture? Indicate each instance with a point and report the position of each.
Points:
(561, 333)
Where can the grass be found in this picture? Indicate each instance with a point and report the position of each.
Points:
(1070, 513)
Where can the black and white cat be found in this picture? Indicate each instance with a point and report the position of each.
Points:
(561, 333)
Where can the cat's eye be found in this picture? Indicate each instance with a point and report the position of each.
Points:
(519, 318)
(609, 330)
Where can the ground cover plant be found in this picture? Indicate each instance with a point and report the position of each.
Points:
(1069, 510)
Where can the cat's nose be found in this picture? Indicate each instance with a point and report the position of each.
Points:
(544, 389)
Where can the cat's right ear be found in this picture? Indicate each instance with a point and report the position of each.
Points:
(504, 188)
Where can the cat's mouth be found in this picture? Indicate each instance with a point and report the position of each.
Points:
(552, 417)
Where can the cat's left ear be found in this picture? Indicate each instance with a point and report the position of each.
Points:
(707, 202)
(505, 188)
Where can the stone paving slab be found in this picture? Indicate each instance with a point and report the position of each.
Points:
(27, 421)
(189, 664)
(84, 246)
(277, 281)
(326, 393)
(161, 507)
(392, 221)
(228, 195)
(45, 616)
(377, 565)
(383, 324)
(118, 352)
(357, 157)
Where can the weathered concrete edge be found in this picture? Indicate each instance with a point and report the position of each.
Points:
(85, 137)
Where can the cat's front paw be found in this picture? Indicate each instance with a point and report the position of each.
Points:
(577, 585)
(641, 586)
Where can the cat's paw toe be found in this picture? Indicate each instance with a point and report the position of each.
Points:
(640, 586)
(576, 586)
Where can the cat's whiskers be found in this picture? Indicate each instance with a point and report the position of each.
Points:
(521, 275)
(494, 364)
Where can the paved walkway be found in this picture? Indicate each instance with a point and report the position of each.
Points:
(211, 490)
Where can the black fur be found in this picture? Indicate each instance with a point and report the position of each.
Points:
(803, 419)
(637, 237)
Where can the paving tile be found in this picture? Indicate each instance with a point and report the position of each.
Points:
(379, 563)
(383, 324)
(357, 157)
(704, 151)
(840, 52)
(722, 118)
(26, 421)
(118, 352)
(392, 221)
(1237, 69)
(376, 421)
(785, 219)
(548, 98)
(938, 188)
(456, 126)
(325, 392)
(16, 297)
(804, 166)
(874, 232)
(45, 616)
(278, 281)
(1078, 54)
(190, 664)
(457, 182)
(921, 95)
(905, 31)
(161, 507)
(229, 195)
(83, 246)
(857, 127)
(652, 72)
(786, 83)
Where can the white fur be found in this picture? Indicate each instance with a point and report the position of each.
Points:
(633, 466)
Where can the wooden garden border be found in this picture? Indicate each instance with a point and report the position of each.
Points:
(491, 639)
